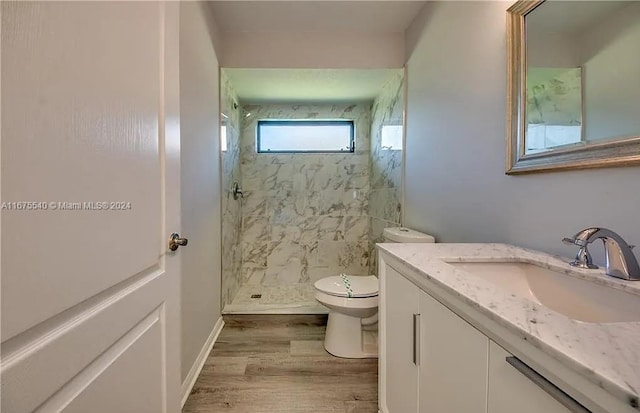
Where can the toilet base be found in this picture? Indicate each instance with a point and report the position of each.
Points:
(343, 337)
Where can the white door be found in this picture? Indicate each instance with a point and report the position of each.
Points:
(90, 136)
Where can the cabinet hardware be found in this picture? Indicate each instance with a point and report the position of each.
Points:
(416, 339)
(550, 388)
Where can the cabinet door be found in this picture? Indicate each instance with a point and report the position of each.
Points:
(510, 391)
(453, 362)
(400, 304)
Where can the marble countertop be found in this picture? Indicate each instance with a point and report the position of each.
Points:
(606, 354)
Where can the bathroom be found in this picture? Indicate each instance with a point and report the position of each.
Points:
(285, 241)
(194, 294)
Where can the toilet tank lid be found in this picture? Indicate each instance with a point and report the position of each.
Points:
(401, 234)
(350, 286)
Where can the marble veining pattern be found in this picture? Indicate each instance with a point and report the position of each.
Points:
(557, 97)
(606, 354)
(304, 216)
(231, 208)
(275, 299)
(385, 176)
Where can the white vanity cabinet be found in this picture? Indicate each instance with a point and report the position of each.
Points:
(453, 361)
(400, 324)
(510, 391)
(433, 361)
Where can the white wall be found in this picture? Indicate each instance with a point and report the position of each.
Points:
(456, 188)
(214, 29)
(200, 181)
(313, 50)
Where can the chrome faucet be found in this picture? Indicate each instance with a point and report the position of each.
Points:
(237, 191)
(620, 261)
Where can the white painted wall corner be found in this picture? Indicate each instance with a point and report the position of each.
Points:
(195, 370)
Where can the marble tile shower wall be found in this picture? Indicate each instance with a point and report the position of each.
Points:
(385, 192)
(304, 215)
(231, 208)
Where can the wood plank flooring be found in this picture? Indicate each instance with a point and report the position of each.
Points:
(277, 364)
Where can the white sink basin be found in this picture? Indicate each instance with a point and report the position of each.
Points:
(576, 298)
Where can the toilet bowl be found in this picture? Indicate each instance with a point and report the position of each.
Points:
(352, 301)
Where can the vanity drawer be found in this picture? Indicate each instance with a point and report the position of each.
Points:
(515, 387)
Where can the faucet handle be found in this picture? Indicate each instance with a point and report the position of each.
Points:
(569, 241)
(583, 259)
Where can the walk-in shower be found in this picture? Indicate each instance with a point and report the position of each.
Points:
(306, 213)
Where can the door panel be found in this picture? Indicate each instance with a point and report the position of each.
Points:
(90, 295)
(59, 354)
(453, 363)
(401, 303)
(82, 126)
(101, 386)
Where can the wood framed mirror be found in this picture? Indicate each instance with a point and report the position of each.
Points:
(573, 95)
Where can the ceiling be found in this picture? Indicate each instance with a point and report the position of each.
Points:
(308, 85)
(315, 16)
(311, 16)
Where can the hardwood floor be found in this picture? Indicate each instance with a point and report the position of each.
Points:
(276, 363)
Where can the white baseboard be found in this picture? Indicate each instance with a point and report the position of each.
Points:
(191, 378)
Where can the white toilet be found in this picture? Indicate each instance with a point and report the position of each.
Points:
(353, 302)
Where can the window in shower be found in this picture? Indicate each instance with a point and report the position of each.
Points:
(305, 136)
(223, 138)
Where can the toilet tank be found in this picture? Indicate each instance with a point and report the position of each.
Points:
(401, 234)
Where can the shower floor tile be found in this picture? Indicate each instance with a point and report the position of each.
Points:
(275, 299)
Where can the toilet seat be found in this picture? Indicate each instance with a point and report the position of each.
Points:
(349, 286)
(347, 304)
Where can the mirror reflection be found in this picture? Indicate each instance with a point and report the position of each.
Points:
(582, 73)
